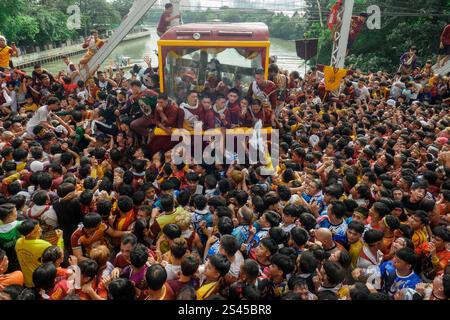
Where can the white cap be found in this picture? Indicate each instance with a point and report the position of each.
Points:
(61, 129)
(391, 102)
(36, 166)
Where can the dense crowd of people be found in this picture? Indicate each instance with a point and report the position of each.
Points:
(93, 208)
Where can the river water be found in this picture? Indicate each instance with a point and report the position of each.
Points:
(139, 48)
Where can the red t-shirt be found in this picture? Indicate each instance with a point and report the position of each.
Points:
(99, 288)
(70, 88)
(59, 291)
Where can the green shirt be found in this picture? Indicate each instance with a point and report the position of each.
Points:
(9, 235)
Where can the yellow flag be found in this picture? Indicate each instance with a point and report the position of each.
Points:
(333, 77)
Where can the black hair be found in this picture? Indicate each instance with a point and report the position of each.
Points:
(372, 236)
(64, 189)
(251, 268)
(283, 262)
(381, 208)
(156, 276)
(223, 211)
(129, 238)
(89, 183)
(44, 276)
(284, 193)
(326, 295)
(14, 187)
(335, 272)
(86, 197)
(407, 255)
(279, 235)
(217, 201)
(172, 231)
(139, 255)
(122, 289)
(270, 245)
(125, 203)
(20, 154)
(241, 197)
(224, 185)
(200, 201)
(308, 262)
(359, 292)
(104, 207)
(51, 254)
(406, 230)
(335, 190)
(446, 284)
(392, 222)
(189, 265)
(356, 226)
(422, 215)
(272, 217)
(271, 198)
(299, 235)
(258, 203)
(26, 227)
(92, 220)
(292, 210)
(6, 209)
(308, 220)
(183, 198)
(210, 181)
(338, 209)
(13, 291)
(220, 263)
(225, 225)
(88, 268)
(442, 232)
(229, 244)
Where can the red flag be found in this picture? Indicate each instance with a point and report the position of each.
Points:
(333, 14)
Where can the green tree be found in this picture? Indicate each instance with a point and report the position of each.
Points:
(21, 28)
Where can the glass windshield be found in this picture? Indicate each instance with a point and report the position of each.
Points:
(205, 69)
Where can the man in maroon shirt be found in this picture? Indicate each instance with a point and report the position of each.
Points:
(208, 114)
(164, 21)
(167, 117)
(263, 90)
(256, 112)
(355, 29)
(444, 46)
(233, 111)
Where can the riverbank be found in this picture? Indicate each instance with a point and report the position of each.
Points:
(52, 55)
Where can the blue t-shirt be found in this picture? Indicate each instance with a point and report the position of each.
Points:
(199, 217)
(213, 249)
(241, 233)
(337, 230)
(392, 282)
(261, 234)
